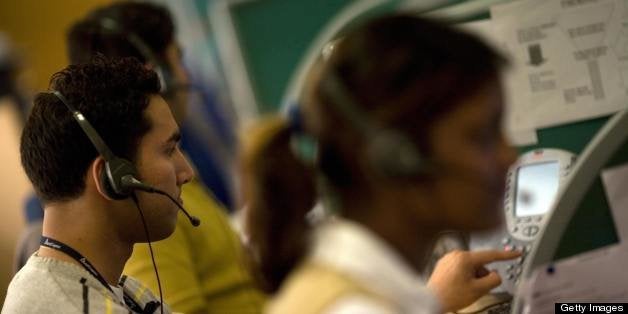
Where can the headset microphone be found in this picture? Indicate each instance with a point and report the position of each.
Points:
(136, 184)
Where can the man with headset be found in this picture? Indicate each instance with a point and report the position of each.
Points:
(202, 268)
(85, 147)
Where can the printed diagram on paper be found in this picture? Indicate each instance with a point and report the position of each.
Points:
(570, 59)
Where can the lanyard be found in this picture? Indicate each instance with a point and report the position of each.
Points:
(60, 246)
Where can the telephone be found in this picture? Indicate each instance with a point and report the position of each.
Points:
(532, 185)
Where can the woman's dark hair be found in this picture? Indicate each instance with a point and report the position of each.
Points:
(279, 191)
(403, 72)
(112, 95)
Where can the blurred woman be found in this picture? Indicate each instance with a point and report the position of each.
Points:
(406, 115)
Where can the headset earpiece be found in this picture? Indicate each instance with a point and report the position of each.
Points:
(161, 75)
(105, 183)
(389, 151)
(392, 154)
(111, 177)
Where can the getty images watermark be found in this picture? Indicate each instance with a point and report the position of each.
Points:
(591, 308)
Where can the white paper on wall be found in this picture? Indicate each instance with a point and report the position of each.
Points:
(570, 59)
(519, 133)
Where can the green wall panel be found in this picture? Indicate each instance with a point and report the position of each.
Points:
(274, 34)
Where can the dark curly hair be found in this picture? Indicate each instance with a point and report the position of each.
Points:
(152, 23)
(112, 95)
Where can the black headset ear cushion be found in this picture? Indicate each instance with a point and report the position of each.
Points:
(112, 175)
(107, 186)
(394, 155)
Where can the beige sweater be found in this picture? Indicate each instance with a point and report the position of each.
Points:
(313, 288)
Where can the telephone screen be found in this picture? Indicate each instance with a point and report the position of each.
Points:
(537, 185)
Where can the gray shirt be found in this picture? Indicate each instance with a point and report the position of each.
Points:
(47, 285)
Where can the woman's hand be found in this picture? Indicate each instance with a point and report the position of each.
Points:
(460, 277)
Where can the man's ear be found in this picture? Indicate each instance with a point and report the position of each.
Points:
(97, 171)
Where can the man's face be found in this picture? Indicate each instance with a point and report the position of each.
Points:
(161, 164)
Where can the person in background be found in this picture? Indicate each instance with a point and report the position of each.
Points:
(89, 230)
(10, 87)
(405, 114)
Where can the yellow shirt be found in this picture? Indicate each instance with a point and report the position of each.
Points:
(201, 268)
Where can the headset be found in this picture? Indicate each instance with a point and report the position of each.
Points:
(164, 73)
(389, 151)
(119, 178)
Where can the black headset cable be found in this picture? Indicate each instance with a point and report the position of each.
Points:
(150, 248)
